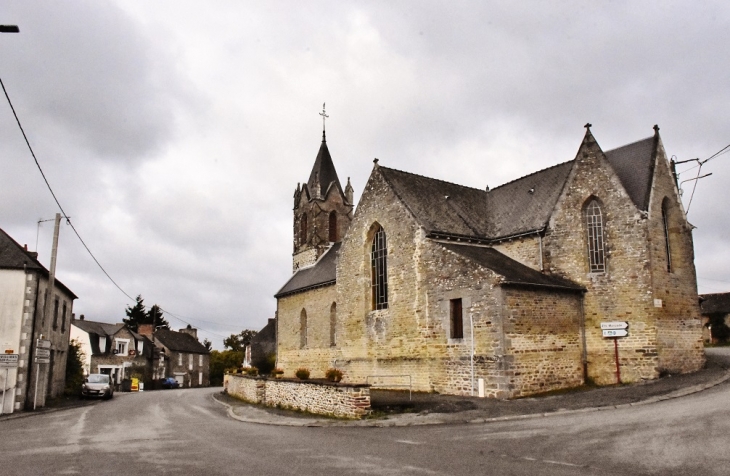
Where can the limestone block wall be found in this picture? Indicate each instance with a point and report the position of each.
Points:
(622, 293)
(322, 398)
(317, 355)
(543, 340)
(525, 249)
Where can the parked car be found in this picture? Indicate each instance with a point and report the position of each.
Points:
(97, 385)
(169, 382)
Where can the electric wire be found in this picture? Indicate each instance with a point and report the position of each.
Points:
(68, 219)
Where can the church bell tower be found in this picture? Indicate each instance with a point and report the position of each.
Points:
(322, 210)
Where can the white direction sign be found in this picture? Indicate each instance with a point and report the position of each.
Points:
(615, 325)
(44, 344)
(8, 360)
(615, 332)
(43, 353)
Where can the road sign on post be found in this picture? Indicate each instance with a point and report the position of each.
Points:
(44, 344)
(615, 332)
(614, 325)
(9, 361)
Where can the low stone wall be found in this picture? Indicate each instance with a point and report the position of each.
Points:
(319, 397)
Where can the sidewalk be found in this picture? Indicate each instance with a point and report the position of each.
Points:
(392, 408)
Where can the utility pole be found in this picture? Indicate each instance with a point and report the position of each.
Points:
(47, 302)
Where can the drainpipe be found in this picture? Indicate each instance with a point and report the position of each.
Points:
(471, 324)
(541, 264)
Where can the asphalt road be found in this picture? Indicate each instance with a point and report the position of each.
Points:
(186, 432)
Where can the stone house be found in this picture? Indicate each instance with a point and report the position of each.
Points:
(113, 349)
(715, 310)
(24, 284)
(262, 346)
(446, 285)
(182, 356)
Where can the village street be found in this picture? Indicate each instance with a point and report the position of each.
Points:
(186, 432)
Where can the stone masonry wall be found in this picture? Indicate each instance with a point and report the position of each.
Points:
(543, 340)
(333, 399)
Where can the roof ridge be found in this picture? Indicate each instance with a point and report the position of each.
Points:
(434, 179)
(530, 175)
(628, 145)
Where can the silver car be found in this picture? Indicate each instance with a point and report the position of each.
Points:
(97, 385)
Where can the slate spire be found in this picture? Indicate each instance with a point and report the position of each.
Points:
(323, 172)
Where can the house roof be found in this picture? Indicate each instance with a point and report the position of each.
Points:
(521, 206)
(323, 170)
(718, 303)
(98, 328)
(513, 272)
(321, 273)
(179, 341)
(14, 256)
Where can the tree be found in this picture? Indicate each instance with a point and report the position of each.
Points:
(137, 315)
(208, 344)
(238, 342)
(74, 368)
(222, 361)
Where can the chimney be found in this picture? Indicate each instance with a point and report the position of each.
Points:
(190, 330)
(146, 330)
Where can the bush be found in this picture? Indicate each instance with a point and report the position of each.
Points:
(302, 373)
(333, 375)
(225, 361)
(276, 371)
(74, 368)
(253, 371)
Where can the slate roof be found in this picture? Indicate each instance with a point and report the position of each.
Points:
(513, 272)
(718, 303)
(14, 256)
(321, 273)
(98, 328)
(324, 168)
(521, 206)
(180, 341)
(634, 165)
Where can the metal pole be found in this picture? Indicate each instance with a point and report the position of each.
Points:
(5, 384)
(618, 368)
(35, 395)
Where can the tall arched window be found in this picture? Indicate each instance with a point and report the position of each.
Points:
(665, 226)
(303, 230)
(333, 323)
(333, 226)
(379, 270)
(596, 240)
(303, 329)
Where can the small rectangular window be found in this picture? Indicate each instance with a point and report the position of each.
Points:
(457, 319)
(200, 360)
(55, 314)
(179, 359)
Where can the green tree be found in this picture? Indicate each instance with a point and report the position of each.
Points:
(74, 368)
(220, 361)
(238, 342)
(208, 344)
(138, 314)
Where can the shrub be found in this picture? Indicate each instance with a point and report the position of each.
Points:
(253, 371)
(302, 373)
(276, 371)
(333, 375)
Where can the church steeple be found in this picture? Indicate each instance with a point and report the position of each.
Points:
(322, 210)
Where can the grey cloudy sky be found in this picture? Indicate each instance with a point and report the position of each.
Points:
(174, 133)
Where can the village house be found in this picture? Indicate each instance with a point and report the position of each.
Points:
(181, 355)
(24, 290)
(113, 349)
(446, 285)
(715, 310)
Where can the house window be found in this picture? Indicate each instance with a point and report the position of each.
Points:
(333, 226)
(102, 344)
(333, 323)
(200, 360)
(191, 360)
(303, 329)
(665, 225)
(379, 270)
(121, 346)
(457, 319)
(179, 359)
(55, 314)
(200, 378)
(303, 230)
(596, 241)
(63, 318)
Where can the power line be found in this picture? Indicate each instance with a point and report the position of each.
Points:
(68, 219)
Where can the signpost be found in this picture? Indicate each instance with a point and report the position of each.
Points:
(615, 330)
(42, 356)
(7, 361)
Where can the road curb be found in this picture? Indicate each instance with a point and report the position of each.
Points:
(403, 422)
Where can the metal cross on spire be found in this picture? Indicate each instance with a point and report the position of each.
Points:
(324, 118)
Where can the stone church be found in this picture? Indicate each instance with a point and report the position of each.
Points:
(446, 285)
